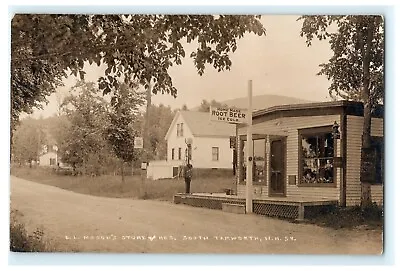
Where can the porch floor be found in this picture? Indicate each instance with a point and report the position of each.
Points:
(287, 207)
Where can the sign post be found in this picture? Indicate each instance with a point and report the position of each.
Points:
(236, 116)
(232, 144)
(249, 170)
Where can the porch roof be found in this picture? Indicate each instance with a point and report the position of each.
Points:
(353, 107)
(243, 136)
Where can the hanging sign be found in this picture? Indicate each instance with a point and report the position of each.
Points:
(138, 143)
(229, 115)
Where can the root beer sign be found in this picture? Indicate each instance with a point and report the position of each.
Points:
(230, 115)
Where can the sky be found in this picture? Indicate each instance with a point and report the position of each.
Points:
(278, 63)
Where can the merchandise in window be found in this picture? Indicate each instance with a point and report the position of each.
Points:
(316, 158)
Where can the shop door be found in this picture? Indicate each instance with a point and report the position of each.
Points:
(277, 161)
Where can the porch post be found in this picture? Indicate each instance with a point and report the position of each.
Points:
(249, 170)
(267, 162)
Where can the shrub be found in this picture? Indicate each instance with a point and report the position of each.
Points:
(373, 212)
(21, 241)
(350, 217)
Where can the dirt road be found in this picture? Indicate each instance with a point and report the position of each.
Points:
(96, 224)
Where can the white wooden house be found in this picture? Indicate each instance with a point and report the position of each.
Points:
(297, 156)
(210, 144)
(48, 156)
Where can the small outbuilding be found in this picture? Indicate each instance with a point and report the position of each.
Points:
(48, 156)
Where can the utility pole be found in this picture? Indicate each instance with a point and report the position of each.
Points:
(146, 137)
(249, 171)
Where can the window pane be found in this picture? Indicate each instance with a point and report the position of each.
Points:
(259, 172)
(317, 158)
(276, 156)
(310, 163)
(310, 167)
(259, 157)
(259, 149)
(215, 153)
(326, 171)
(378, 144)
(325, 145)
(244, 161)
(309, 146)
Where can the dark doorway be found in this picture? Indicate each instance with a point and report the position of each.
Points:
(175, 171)
(277, 161)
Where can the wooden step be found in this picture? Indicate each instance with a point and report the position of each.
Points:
(234, 208)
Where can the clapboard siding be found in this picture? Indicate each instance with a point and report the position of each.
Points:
(354, 135)
(377, 194)
(290, 126)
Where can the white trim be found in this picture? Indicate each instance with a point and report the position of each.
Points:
(172, 125)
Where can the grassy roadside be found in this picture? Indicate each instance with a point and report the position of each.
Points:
(354, 217)
(111, 186)
(23, 241)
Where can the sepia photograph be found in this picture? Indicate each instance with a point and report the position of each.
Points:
(197, 133)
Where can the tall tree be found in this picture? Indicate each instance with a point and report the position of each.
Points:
(355, 69)
(160, 119)
(120, 132)
(28, 142)
(84, 146)
(44, 47)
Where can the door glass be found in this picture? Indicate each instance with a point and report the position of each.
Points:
(244, 161)
(258, 160)
(277, 167)
(276, 156)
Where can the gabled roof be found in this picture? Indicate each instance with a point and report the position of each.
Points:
(200, 125)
